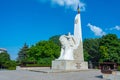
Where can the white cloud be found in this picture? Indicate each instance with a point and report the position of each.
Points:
(115, 28)
(73, 4)
(97, 30)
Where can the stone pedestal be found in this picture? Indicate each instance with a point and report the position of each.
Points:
(77, 64)
(69, 65)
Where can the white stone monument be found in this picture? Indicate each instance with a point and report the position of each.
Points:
(71, 56)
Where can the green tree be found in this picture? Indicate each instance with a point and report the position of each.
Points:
(4, 57)
(42, 51)
(87, 57)
(5, 61)
(10, 65)
(55, 39)
(103, 53)
(110, 48)
(91, 49)
(22, 54)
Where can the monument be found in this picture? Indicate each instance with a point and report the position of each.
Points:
(71, 56)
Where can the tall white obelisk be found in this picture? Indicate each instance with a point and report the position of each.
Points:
(78, 52)
(77, 27)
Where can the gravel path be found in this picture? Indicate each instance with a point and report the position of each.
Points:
(29, 75)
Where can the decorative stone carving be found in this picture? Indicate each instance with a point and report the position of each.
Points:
(68, 45)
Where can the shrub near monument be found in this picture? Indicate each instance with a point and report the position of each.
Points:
(40, 54)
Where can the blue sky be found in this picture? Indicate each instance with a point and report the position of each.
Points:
(33, 20)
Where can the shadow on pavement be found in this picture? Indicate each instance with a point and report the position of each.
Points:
(100, 76)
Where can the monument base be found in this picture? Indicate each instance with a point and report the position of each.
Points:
(69, 65)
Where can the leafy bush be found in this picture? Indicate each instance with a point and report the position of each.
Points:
(38, 65)
(44, 61)
(10, 65)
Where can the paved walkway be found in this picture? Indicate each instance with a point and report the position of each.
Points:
(29, 75)
(114, 76)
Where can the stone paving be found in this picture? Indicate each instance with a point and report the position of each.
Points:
(114, 76)
(30, 75)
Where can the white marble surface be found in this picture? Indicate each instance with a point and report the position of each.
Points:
(71, 42)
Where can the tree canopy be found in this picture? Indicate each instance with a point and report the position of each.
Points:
(43, 52)
(104, 49)
(22, 55)
(6, 62)
(43, 49)
(4, 56)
